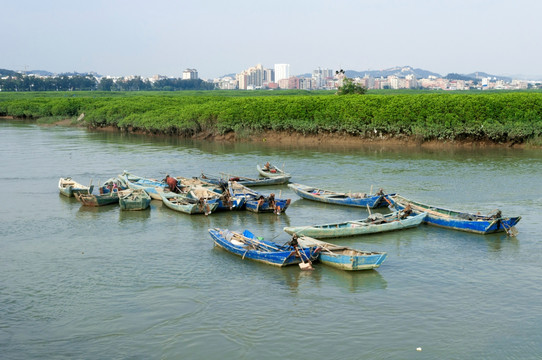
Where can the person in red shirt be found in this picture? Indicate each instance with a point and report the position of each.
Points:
(172, 184)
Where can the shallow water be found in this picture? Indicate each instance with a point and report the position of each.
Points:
(93, 283)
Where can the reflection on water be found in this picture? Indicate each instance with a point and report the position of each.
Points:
(134, 216)
(355, 281)
(97, 210)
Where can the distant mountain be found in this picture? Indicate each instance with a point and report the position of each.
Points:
(92, 73)
(481, 74)
(6, 72)
(399, 71)
(454, 76)
(40, 72)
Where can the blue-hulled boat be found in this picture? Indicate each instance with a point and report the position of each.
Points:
(457, 220)
(258, 202)
(340, 198)
(262, 181)
(342, 257)
(255, 248)
(151, 186)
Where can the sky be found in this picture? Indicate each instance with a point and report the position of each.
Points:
(217, 37)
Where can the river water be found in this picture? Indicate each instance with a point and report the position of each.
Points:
(98, 283)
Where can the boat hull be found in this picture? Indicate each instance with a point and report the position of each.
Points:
(353, 262)
(254, 206)
(152, 187)
(314, 194)
(263, 181)
(357, 227)
(344, 258)
(134, 200)
(98, 200)
(189, 207)
(274, 172)
(455, 220)
(283, 257)
(68, 187)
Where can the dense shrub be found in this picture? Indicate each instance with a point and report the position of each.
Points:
(506, 116)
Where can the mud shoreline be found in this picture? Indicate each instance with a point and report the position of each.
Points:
(284, 138)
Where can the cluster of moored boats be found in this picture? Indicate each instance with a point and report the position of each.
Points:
(208, 193)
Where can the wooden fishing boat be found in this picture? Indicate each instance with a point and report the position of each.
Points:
(98, 200)
(258, 202)
(225, 199)
(255, 248)
(68, 187)
(271, 171)
(187, 205)
(261, 181)
(152, 187)
(340, 198)
(342, 257)
(375, 223)
(457, 220)
(134, 199)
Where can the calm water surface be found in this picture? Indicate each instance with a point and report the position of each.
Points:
(98, 283)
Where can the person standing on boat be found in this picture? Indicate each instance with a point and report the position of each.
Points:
(171, 183)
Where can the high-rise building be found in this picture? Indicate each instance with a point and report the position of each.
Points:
(190, 74)
(321, 77)
(282, 71)
(255, 77)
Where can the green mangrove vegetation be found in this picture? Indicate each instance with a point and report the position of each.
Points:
(495, 116)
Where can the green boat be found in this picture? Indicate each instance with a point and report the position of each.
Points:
(134, 199)
(375, 223)
(98, 200)
(187, 205)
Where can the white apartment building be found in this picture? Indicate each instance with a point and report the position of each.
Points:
(190, 74)
(282, 71)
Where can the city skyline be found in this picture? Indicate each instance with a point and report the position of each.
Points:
(135, 37)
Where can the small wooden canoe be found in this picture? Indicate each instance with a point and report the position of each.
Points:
(182, 203)
(339, 198)
(271, 171)
(69, 188)
(98, 200)
(132, 199)
(375, 223)
(342, 257)
(261, 181)
(457, 220)
(255, 248)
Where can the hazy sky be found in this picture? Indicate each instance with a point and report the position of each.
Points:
(135, 37)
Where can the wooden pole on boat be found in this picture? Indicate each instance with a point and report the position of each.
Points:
(304, 265)
(369, 210)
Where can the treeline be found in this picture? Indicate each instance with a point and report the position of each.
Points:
(499, 117)
(88, 83)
